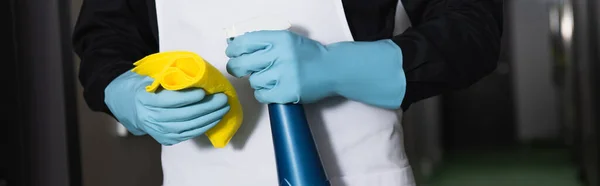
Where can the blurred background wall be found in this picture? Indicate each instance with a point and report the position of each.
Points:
(535, 93)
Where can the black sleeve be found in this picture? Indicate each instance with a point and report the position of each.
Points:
(109, 36)
(451, 45)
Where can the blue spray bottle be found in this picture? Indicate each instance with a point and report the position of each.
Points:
(297, 157)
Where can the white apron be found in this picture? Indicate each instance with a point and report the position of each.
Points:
(359, 145)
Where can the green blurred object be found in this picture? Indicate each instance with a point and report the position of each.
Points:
(524, 167)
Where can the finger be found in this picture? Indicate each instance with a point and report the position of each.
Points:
(174, 138)
(253, 41)
(266, 79)
(244, 44)
(276, 95)
(136, 131)
(199, 122)
(207, 105)
(161, 138)
(247, 64)
(258, 40)
(186, 135)
(171, 99)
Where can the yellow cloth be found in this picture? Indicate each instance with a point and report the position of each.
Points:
(177, 70)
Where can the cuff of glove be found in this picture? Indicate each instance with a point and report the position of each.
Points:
(369, 72)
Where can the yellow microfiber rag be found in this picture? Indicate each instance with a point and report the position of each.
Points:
(177, 70)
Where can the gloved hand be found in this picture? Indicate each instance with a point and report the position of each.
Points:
(285, 67)
(169, 117)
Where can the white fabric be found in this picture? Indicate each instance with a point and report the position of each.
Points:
(360, 145)
(401, 22)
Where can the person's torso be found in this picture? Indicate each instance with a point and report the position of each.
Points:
(359, 144)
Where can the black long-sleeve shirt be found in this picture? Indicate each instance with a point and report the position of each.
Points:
(451, 44)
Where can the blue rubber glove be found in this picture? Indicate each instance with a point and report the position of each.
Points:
(169, 117)
(285, 67)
